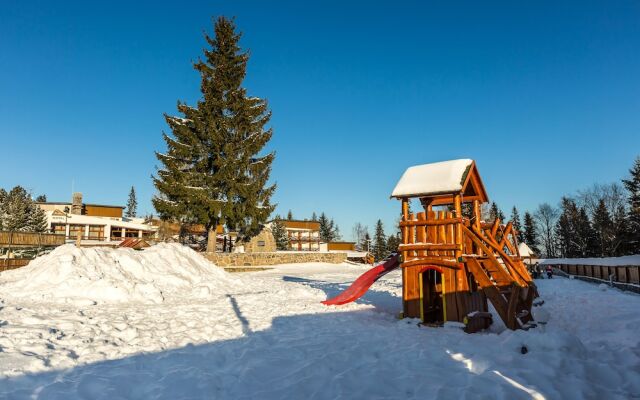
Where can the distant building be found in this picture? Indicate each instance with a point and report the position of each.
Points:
(341, 246)
(94, 222)
(303, 235)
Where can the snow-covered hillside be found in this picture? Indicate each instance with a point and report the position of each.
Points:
(266, 336)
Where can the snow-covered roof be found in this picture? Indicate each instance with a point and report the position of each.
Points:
(525, 250)
(434, 178)
(92, 220)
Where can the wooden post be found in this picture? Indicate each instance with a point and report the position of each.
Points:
(457, 203)
(403, 255)
(477, 215)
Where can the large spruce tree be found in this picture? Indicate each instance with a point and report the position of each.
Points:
(633, 217)
(214, 171)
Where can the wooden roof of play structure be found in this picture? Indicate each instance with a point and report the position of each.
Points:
(439, 181)
(452, 263)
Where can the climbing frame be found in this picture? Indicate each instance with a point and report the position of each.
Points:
(453, 263)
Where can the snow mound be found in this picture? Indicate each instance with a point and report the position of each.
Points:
(91, 275)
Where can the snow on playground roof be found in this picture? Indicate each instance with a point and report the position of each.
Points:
(434, 178)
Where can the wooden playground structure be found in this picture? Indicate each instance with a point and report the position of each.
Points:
(451, 260)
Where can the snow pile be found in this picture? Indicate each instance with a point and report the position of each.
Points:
(90, 275)
(272, 339)
(606, 261)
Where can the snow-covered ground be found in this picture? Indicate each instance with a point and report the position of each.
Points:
(207, 334)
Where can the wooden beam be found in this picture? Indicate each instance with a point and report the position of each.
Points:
(429, 246)
(431, 222)
(513, 269)
(426, 261)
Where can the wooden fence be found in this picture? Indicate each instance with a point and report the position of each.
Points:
(13, 263)
(30, 239)
(626, 277)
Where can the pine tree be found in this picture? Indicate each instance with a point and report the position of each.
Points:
(280, 234)
(3, 198)
(289, 216)
(213, 172)
(566, 229)
(633, 217)
(393, 241)
(530, 235)
(379, 242)
(586, 235)
(326, 228)
(604, 232)
(517, 226)
(17, 210)
(38, 221)
(314, 217)
(132, 204)
(620, 241)
(41, 198)
(495, 213)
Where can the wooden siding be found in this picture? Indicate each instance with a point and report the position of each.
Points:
(349, 246)
(95, 210)
(29, 239)
(310, 225)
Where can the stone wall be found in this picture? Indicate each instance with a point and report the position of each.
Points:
(273, 258)
(261, 243)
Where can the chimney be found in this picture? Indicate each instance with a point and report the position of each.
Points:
(76, 203)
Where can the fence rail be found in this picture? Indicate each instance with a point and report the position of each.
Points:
(625, 277)
(13, 263)
(30, 239)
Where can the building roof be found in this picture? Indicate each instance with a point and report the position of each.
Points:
(298, 224)
(442, 178)
(525, 250)
(62, 203)
(91, 220)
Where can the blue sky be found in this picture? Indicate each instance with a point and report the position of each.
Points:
(544, 96)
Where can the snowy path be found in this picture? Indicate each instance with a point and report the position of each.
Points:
(270, 338)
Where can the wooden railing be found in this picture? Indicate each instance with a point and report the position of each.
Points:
(430, 235)
(30, 239)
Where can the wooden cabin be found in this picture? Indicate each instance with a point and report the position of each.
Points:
(452, 262)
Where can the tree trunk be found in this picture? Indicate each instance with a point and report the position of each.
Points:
(211, 240)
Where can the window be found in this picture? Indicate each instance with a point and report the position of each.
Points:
(116, 233)
(74, 230)
(132, 233)
(59, 229)
(260, 243)
(96, 232)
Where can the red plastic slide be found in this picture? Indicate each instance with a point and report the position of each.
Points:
(360, 286)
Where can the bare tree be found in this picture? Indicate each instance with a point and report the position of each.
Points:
(613, 195)
(359, 233)
(546, 217)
